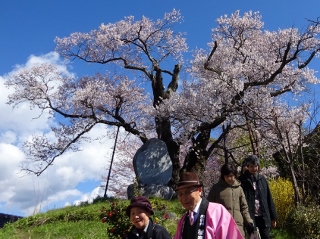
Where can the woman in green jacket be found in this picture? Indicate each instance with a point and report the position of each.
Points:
(229, 193)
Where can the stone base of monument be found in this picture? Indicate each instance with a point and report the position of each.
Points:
(157, 191)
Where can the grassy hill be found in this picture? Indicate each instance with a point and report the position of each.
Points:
(85, 221)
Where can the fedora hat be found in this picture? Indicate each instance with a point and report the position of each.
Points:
(142, 202)
(188, 179)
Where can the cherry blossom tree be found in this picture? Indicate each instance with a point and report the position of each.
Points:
(244, 70)
(296, 147)
(284, 135)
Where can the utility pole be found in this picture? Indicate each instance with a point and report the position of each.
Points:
(114, 149)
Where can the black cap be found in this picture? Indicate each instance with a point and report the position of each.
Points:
(142, 202)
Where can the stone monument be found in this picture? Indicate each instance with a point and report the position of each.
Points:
(153, 168)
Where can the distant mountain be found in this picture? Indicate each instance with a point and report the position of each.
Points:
(4, 218)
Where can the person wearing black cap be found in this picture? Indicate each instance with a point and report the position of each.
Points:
(260, 202)
(202, 220)
(139, 212)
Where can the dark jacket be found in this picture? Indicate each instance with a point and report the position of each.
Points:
(233, 199)
(154, 231)
(267, 206)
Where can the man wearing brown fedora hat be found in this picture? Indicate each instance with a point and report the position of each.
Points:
(202, 219)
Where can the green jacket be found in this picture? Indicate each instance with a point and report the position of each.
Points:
(233, 199)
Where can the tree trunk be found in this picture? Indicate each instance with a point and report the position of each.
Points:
(163, 125)
(197, 156)
(295, 186)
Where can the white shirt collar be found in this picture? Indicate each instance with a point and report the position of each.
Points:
(196, 209)
(145, 229)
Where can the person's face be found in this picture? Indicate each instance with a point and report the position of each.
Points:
(139, 217)
(230, 178)
(253, 168)
(189, 197)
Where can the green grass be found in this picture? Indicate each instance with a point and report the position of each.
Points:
(84, 222)
(71, 222)
(81, 222)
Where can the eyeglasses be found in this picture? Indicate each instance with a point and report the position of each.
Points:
(186, 192)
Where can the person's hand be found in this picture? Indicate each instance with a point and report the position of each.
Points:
(250, 228)
(274, 223)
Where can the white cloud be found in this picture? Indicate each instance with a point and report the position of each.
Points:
(22, 194)
(10, 155)
(9, 137)
(49, 58)
(98, 191)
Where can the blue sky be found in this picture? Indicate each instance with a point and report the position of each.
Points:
(28, 29)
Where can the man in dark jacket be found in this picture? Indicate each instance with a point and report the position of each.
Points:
(256, 189)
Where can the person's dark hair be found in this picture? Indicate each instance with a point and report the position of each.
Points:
(226, 169)
(252, 159)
